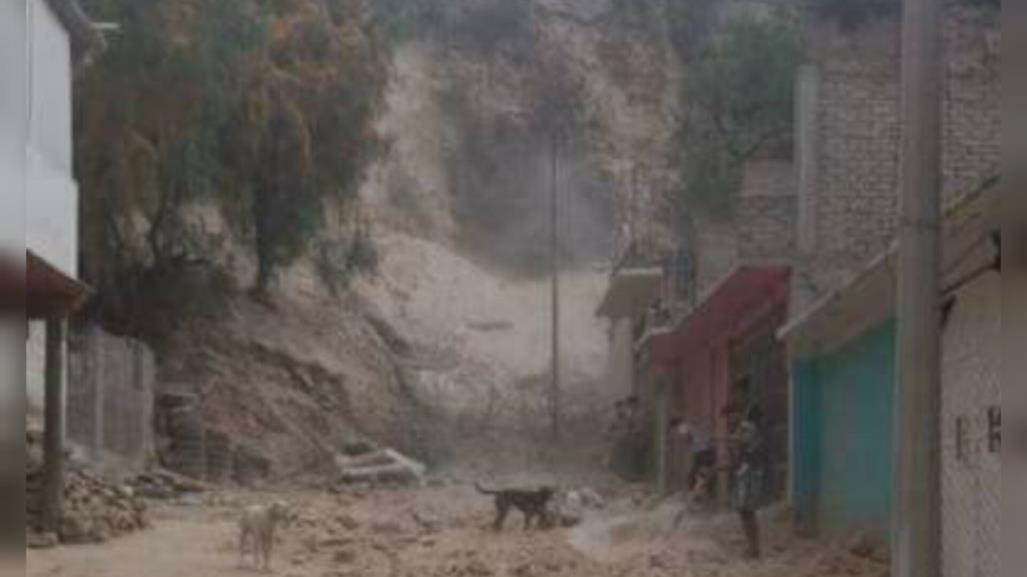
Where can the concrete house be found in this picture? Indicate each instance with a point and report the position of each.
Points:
(720, 344)
(106, 381)
(634, 287)
(843, 364)
(59, 38)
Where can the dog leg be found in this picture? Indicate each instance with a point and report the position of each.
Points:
(268, 544)
(501, 513)
(242, 548)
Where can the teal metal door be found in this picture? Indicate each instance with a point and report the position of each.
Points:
(843, 436)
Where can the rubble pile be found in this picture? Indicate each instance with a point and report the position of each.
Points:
(93, 510)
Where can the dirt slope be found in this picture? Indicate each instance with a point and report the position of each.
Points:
(293, 383)
(476, 335)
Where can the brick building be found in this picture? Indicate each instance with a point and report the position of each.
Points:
(848, 129)
(842, 340)
(843, 381)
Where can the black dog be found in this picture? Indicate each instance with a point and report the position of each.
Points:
(531, 502)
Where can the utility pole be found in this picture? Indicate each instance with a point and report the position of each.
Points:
(916, 530)
(554, 247)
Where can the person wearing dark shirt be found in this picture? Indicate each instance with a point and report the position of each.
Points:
(749, 475)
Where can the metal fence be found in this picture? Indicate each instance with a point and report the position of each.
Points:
(110, 396)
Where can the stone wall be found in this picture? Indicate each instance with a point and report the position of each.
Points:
(849, 131)
(110, 397)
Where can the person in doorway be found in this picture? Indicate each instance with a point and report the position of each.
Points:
(749, 471)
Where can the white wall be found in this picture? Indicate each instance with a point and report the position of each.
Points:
(51, 194)
(51, 198)
(972, 485)
(13, 125)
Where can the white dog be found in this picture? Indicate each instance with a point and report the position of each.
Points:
(257, 531)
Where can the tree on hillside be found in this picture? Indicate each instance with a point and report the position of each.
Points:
(303, 132)
(150, 113)
(264, 108)
(737, 102)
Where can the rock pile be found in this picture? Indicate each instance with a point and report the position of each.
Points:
(93, 509)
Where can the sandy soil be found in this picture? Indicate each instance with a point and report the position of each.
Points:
(481, 342)
(441, 532)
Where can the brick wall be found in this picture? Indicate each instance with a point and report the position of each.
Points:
(849, 191)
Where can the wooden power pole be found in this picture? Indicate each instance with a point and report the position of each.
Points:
(554, 247)
(916, 530)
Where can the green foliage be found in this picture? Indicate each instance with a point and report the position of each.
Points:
(401, 20)
(689, 24)
(851, 14)
(737, 102)
(263, 107)
(483, 26)
(495, 25)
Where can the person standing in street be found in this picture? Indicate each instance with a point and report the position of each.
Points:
(749, 474)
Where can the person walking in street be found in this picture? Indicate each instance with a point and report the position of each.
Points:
(699, 444)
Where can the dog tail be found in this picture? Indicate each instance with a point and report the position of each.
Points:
(483, 490)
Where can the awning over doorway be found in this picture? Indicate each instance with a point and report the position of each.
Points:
(725, 308)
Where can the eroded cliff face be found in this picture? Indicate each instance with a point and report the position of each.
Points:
(471, 130)
(460, 203)
(451, 337)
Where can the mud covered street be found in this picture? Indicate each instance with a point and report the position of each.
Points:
(442, 532)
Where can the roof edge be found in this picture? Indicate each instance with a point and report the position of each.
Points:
(85, 38)
(884, 258)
